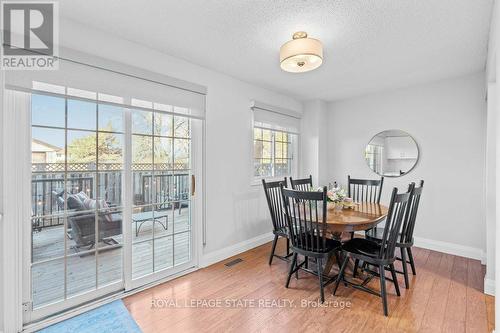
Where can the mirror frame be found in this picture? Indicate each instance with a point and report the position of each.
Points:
(407, 172)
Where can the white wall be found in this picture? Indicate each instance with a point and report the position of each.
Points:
(313, 142)
(236, 211)
(448, 121)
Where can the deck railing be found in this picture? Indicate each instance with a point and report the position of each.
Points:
(48, 183)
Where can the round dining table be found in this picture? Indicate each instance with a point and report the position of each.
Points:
(362, 216)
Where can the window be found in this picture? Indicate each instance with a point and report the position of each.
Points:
(275, 137)
(273, 155)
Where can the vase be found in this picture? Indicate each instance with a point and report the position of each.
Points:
(335, 206)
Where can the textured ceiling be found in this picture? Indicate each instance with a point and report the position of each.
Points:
(369, 45)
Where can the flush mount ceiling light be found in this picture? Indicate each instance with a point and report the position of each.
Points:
(301, 54)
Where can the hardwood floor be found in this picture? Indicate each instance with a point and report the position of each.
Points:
(446, 295)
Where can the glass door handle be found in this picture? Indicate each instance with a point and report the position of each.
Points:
(193, 185)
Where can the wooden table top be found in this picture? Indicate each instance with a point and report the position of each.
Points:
(363, 216)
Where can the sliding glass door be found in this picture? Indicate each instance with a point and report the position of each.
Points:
(111, 197)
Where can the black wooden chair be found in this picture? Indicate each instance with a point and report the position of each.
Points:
(364, 190)
(280, 225)
(379, 254)
(405, 242)
(307, 227)
(304, 184)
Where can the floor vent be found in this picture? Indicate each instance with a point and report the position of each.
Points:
(233, 262)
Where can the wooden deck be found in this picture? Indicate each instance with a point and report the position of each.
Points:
(446, 295)
(48, 276)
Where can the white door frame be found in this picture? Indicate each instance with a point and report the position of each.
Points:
(16, 159)
(16, 175)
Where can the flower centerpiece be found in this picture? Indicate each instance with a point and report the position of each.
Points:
(337, 196)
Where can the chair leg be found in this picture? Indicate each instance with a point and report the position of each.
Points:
(341, 273)
(395, 279)
(355, 270)
(412, 262)
(275, 242)
(383, 293)
(292, 266)
(339, 262)
(306, 265)
(405, 268)
(319, 263)
(352, 235)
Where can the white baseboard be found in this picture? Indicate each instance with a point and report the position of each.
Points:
(489, 286)
(219, 255)
(451, 248)
(430, 244)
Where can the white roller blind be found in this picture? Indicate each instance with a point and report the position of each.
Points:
(88, 74)
(271, 117)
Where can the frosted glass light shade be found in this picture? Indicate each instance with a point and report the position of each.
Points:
(301, 54)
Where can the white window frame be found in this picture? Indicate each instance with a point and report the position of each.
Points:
(294, 151)
(276, 119)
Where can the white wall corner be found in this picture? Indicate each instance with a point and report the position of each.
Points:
(462, 251)
(491, 60)
(489, 286)
(213, 257)
(314, 153)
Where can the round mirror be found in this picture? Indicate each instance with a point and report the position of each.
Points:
(392, 153)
